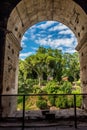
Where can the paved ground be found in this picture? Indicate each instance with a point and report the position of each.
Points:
(63, 124)
(58, 113)
(47, 128)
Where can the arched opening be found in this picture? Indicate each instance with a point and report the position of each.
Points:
(26, 14)
(49, 68)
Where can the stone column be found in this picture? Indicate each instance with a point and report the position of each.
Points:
(10, 76)
(82, 48)
(2, 48)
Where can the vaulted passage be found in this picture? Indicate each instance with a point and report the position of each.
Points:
(27, 13)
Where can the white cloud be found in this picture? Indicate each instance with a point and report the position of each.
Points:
(59, 40)
(55, 43)
(34, 48)
(32, 29)
(32, 36)
(70, 50)
(58, 27)
(66, 32)
(31, 32)
(21, 58)
(38, 34)
(41, 41)
(24, 38)
(46, 25)
(23, 44)
(49, 36)
(25, 54)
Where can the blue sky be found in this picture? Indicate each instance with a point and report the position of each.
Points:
(47, 34)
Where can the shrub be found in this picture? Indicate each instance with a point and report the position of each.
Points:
(66, 87)
(52, 100)
(36, 89)
(42, 104)
(40, 98)
(61, 102)
(26, 86)
(71, 79)
(78, 101)
(70, 101)
(20, 99)
(51, 87)
(78, 97)
(78, 83)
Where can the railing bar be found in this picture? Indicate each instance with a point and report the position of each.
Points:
(24, 95)
(38, 94)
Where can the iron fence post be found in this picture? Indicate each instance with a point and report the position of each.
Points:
(75, 116)
(23, 121)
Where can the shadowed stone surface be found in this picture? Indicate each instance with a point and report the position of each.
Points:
(46, 128)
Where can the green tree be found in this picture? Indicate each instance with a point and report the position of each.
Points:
(71, 67)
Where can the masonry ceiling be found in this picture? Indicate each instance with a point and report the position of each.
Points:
(6, 6)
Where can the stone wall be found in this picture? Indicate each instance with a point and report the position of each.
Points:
(10, 76)
(2, 45)
(82, 48)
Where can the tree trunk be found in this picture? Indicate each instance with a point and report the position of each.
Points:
(40, 78)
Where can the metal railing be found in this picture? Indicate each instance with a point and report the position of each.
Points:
(24, 106)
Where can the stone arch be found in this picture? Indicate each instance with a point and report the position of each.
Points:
(26, 14)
